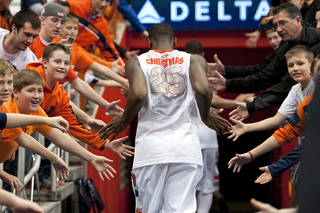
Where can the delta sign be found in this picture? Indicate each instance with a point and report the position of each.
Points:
(202, 15)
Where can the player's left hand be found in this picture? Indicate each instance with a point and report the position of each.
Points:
(118, 147)
(217, 123)
(103, 168)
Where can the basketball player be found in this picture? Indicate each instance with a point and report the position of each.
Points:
(166, 86)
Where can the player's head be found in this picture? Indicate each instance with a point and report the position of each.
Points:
(52, 18)
(28, 90)
(162, 32)
(6, 80)
(315, 67)
(98, 6)
(56, 60)
(24, 28)
(194, 47)
(287, 21)
(273, 38)
(70, 27)
(64, 4)
(299, 60)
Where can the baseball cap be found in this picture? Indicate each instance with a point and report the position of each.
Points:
(54, 9)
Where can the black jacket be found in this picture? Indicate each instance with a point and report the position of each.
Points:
(273, 70)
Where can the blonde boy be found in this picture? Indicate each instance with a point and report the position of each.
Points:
(24, 140)
(299, 60)
(54, 67)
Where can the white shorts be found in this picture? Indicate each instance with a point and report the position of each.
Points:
(210, 180)
(166, 187)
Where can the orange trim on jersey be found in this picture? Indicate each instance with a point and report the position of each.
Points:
(162, 51)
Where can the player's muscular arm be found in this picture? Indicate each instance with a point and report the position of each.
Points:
(200, 84)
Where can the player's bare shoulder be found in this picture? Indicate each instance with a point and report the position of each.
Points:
(196, 60)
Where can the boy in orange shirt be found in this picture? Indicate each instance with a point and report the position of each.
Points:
(24, 140)
(54, 67)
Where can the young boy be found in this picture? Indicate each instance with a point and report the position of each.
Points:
(299, 59)
(80, 60)
(54, 67)
(27, 97)
(273, 39)
(6, 86)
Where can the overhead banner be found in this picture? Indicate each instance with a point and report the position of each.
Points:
(202, 15)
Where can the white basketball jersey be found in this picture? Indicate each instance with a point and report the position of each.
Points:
(167, 123)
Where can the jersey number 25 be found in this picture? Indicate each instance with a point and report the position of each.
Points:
(177, 83)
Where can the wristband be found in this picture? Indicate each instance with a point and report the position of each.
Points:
(250, 155)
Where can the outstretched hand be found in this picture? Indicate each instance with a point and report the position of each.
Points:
(95, 124)
(240, 113)
(114, 108)
(117, 68)
(253, 39)
(61, 168)
(13, 181)
(216, 66)
(237, 130)
(238, 161)
(217, 123)
(217, 82)
(263, 207)
(59, 123)
(265, 177)
(103, 168)
(118, 147)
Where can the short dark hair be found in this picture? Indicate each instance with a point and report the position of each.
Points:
(194, 47)
(25, 78)
(291, 10)
(161, 31)
(51, 48)
(63, 3)
(24, 16)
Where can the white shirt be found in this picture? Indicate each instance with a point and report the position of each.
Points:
(294, 98)
(18, 60)
(167, 129)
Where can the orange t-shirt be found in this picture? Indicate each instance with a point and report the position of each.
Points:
(37, 48)
(6, 149)
(56, 103)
